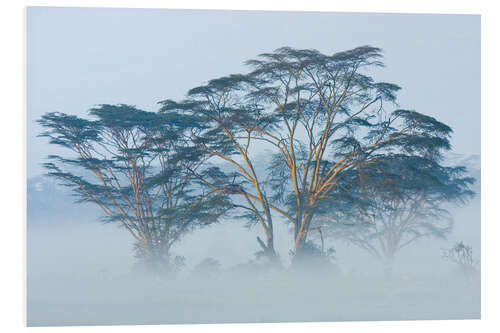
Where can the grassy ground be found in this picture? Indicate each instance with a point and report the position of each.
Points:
(247, 297)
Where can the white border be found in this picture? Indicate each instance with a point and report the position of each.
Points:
(13, 158)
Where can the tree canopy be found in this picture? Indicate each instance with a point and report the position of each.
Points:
(134, 165)
(399, 199)
(319, 116)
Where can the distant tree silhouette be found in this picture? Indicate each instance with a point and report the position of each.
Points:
(461, 255)
(400, 199)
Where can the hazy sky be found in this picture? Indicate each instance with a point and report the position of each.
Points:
(80, 57)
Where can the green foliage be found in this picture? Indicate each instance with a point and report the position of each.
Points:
(135, 165)
(328, 125)
(400, 199)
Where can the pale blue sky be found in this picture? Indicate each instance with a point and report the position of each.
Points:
(80, 57)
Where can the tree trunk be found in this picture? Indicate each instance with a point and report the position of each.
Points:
(153, 259)
(388, 266)
(299, 251)
(268, 250)
(268, 247)
(300, 232)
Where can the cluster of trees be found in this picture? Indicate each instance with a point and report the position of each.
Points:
(343, 158)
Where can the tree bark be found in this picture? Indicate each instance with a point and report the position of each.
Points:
(268, 250)
(301, 231)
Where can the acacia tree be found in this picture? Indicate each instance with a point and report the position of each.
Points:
(321, 115)
(400, 199)
(333, 120)
(133, 164)
(233, 124)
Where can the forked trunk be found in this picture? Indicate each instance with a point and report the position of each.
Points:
(268, 246)
(268, 250)
(300, 233)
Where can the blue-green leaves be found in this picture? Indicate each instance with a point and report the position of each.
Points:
(137, 167)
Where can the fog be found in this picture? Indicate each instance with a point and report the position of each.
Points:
(82, 273)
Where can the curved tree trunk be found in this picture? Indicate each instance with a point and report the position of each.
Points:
(268, 248)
